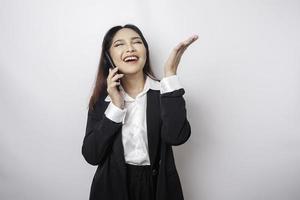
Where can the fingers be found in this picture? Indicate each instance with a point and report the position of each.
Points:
(180, 49)
(116, 77)
(183, 45)
(114, 84)
(113, 77)
(112, 72)
(191, 39)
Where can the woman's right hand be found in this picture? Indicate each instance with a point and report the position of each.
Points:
(112, 84)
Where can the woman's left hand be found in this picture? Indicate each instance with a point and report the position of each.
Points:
(172, 63)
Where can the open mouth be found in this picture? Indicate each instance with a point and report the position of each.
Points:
(131, 59)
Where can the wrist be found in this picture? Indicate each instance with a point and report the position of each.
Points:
(169, 74)
(120, 105)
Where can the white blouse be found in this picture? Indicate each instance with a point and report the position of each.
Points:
(133, 118)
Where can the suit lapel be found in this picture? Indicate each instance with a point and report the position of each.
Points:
(153, 124)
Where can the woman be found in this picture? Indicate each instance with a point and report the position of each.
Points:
(134, 120)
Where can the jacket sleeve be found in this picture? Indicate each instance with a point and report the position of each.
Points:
(176, 128)
(99, 137)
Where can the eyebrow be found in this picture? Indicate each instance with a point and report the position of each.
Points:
(133, 38)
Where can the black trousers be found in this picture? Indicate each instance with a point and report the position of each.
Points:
(140, 182)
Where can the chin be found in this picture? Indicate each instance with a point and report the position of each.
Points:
(132, 72)
(131, 69)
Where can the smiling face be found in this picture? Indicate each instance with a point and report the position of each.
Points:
(128, 51)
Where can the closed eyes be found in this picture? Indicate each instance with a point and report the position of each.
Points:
(136, 42)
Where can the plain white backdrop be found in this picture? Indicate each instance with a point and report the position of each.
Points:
(241, 79)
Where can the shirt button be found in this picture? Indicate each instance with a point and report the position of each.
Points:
(154, 172)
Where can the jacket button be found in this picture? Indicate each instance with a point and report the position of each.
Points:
(154, 172)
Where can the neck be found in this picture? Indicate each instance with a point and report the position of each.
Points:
(133, 83)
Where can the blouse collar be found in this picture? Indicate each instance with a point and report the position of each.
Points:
(149, 84)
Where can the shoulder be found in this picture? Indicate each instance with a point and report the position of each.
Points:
(99, 106)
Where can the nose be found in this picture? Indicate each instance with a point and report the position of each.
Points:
(130, 48)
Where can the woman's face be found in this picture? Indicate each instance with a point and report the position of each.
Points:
(128, 51)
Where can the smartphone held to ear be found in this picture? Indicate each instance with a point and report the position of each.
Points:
(112, 66)
(109, 60)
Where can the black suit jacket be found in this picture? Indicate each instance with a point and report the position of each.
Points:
(167, 125)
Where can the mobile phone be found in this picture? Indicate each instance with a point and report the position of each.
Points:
(112, 66)
(109, 60)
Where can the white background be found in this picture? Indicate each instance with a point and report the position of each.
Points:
(241, 79)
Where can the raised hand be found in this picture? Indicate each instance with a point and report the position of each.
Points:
(172, 63)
